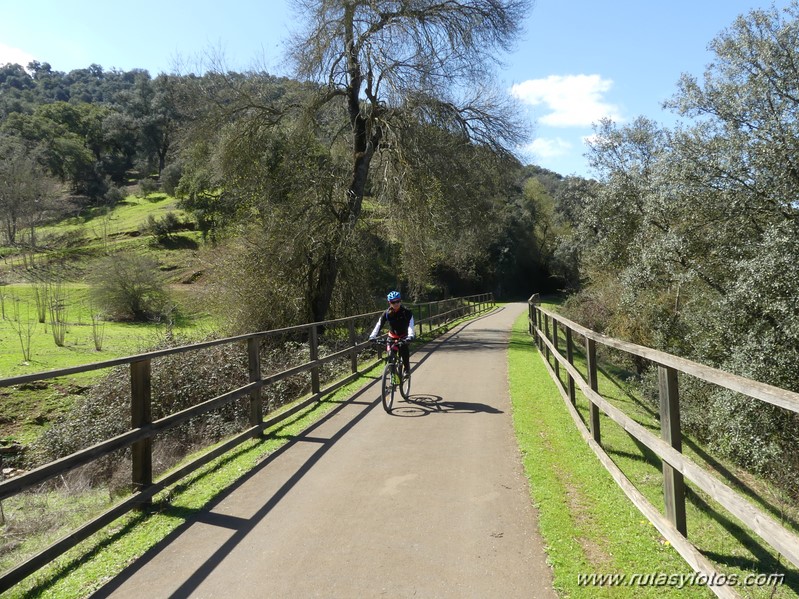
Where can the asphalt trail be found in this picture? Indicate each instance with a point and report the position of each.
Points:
(430, 501)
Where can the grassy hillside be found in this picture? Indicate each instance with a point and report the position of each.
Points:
(61, 266)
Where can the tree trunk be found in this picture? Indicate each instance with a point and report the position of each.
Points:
(322, 285)
(163, 149)
(366, 135)
(11, 231)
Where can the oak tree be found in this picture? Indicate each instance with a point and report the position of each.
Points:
(391, 66)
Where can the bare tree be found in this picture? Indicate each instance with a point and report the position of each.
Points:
(23, 326)
(26, 191)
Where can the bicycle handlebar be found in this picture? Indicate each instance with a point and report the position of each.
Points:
(381, 339)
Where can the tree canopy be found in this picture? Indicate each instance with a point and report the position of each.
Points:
(395, 68)
(377, 115)
(386, 161)
(90, 128)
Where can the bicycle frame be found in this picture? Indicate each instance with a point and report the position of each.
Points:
(393, 375)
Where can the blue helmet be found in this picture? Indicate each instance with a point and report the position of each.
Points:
(393, 296)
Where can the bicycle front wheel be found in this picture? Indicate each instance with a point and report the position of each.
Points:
(405, 383)
(388, 387)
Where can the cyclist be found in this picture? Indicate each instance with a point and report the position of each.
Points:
(400, 323)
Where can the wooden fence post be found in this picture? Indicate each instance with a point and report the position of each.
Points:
(570, 358)
(313, 341)
(254, 360)
(354, 353)
(530, 316)
(557, 349)
(539, 326)
(593, 382)
(141, 415)
(673, 482)
(546, 334)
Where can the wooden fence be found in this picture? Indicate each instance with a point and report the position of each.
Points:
(430, 317)
(546, 327)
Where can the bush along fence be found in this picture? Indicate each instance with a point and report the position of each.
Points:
(339, 341)
(546, 328)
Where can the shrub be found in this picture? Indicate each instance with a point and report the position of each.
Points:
(114, 196)
(130, 287)
(170, 177)
(162, 228)
(178, 381)
(147, 186)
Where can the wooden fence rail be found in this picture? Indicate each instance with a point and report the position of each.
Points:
(544, 325)
(143, 429)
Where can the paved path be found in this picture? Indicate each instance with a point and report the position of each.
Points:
(428, 502)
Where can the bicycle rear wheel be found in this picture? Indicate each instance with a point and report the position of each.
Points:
(388, 387)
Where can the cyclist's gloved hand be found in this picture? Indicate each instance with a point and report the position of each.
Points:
(372, 337)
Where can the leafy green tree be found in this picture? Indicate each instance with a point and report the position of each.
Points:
(56, 130)
(442, 209)
(280, 184)
(14, 77)
(202, 192)
(93, 125)
(158, 125)
(148, 113)
(50, 85)
(119, 143)
(695, 230)
(382, 90)
(572, 197)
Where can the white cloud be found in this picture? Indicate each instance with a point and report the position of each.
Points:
(14, 55)
(573, 100)
(543, 147)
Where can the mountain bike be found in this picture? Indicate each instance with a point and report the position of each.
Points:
(394, 376)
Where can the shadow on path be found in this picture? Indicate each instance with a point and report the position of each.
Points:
(242, 526)
(424, 405)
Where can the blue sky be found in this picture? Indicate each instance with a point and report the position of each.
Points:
(578, 60)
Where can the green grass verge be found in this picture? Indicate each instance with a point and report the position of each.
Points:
(588, 523)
